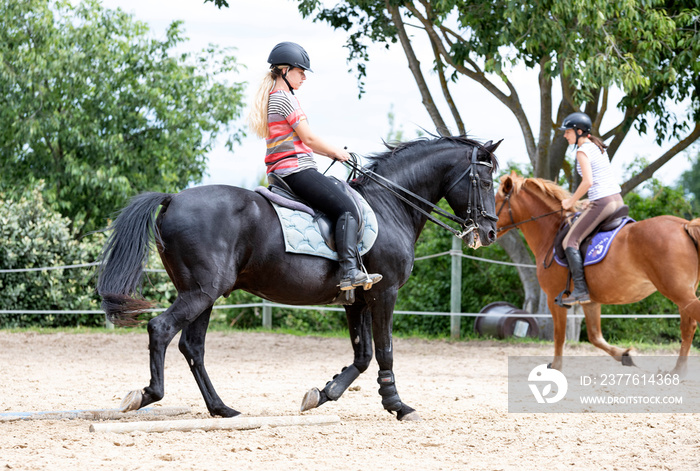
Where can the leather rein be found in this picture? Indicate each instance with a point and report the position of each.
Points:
(467, 225)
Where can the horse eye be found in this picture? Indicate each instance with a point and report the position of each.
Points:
(486, 184)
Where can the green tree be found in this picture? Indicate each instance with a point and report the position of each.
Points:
(100, 111)
(647, 49)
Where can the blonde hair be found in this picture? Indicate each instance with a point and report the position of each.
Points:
(257, 118)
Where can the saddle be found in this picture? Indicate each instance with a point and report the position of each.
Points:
(280, 193)
(612, 222)
(594, 247)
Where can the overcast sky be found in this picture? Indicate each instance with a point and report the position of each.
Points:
(330, 95)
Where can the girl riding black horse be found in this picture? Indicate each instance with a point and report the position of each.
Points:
(217, 239)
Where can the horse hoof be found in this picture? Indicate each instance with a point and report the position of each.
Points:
(131, 401)
(311, 399)
(627, 359)
(411, 416)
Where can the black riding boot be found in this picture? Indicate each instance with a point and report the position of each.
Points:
(346, 244)
(580, 293)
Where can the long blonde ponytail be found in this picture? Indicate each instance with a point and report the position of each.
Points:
(257, 118)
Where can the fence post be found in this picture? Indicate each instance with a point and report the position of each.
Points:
(456, 287)
(108, 324)
(267, 314)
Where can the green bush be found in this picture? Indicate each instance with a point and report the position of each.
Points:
(35, 236)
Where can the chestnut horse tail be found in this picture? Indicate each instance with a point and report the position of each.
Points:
(124, 257)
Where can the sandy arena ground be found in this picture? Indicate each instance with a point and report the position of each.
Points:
(459, 389)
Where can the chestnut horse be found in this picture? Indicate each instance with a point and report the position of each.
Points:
(657, 254)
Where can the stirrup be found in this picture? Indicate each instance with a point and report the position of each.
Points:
(582, 298)
(363, 279)
(368, 281)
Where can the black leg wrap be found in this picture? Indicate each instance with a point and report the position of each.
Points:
(390, 397)
(336, 387)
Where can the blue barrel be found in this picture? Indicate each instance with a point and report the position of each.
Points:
(503, 320)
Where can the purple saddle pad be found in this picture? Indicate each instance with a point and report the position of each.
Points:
(599, 246)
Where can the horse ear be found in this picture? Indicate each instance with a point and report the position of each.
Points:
(491, 147)
(506, 183)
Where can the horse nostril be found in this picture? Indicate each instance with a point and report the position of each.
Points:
(492, 236)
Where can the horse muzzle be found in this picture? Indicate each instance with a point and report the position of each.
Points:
(470, 236)
(479, 238)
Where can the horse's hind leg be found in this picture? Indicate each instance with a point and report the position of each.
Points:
(359, 324)
(688, 327)
(595, 335)
(161, 331)
(192, 347)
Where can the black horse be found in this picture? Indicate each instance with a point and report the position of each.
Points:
(216, 239)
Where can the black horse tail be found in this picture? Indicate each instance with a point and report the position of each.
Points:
(124, 256)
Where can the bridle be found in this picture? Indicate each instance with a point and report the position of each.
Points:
(513, 224)
(474, 205)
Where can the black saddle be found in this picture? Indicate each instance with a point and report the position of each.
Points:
(278, 186)
(611, 223)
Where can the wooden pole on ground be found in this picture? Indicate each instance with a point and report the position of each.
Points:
(97, 414)
(233, 423)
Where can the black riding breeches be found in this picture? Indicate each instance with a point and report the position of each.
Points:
(322, 193)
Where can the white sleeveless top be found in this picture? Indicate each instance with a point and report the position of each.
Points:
(604, 181)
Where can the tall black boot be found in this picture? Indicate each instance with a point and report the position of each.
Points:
(346, 244)
(580, 293)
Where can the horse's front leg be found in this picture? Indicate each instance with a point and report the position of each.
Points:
(595, 335)
(192, 347)
(559, 324)
(382, 317)
(359, 325)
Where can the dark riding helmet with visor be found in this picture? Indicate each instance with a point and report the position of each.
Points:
(576, 121)
(291, 54)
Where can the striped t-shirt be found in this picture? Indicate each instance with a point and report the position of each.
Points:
(286, 153)
(604, 182)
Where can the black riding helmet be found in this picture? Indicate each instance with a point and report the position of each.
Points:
(577, 120)
(292, 54)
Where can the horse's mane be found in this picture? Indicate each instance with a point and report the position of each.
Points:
(396, 150)
(554, 193)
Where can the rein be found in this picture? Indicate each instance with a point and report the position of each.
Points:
(467, 225)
